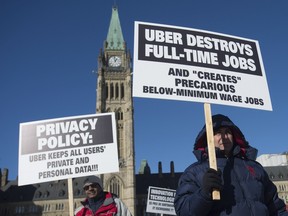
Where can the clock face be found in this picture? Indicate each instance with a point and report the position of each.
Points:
(114, 61)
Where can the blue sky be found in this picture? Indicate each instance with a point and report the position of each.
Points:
(49, 50)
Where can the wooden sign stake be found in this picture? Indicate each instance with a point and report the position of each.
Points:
(210, 144)
(70, 196)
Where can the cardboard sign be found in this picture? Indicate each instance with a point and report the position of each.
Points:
(187, 64)
(68, 147)
(160, 200)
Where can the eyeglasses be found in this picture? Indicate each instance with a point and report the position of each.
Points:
(94, 185)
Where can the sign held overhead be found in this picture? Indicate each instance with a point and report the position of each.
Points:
(69, 147)
(179, 63)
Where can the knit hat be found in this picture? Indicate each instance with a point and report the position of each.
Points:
(91, 180)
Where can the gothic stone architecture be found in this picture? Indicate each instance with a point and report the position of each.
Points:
(51, 198)
(114, 94)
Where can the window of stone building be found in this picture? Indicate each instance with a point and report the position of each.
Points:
(120, 139)
(119, 115)
(77, 192)
(285, 198)
(61, 193)
(59, 206)
(46, 207)
(19, 209)
(122, 90)
(282, 187)
(116, 90)
(46, 194)
(111, 90)
(115, 186)
(38, 194)
(33, 208)
(106, 91)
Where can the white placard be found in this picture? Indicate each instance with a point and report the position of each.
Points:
(161, 200)
(68, 147)
(187, 64)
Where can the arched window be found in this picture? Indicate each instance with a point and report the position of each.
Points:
(111, 90)
(119, 115)
(122, 90)
(116, 91)
(115, 186)
(46, 194)
(61, 193)
(106, 91)
(38, 194)
(77, 192)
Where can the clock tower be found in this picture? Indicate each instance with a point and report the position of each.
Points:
(114, 94)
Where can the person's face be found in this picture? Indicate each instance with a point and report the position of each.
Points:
(223, 139)
(92, 190)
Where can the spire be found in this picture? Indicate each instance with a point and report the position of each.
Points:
(115, 40)
(144, 168)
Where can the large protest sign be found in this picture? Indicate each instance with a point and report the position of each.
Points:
(160, 200)
(187, 64)
(68, 147)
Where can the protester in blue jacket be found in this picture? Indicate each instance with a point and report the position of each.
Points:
(245, 188)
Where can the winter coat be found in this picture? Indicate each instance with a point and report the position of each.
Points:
(112, 206)
(247, 189)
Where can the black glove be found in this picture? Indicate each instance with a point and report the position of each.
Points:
(211, 180)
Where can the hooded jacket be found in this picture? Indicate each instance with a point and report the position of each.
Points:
(247, 189)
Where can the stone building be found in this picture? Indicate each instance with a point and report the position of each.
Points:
(114, 94)
(279, 176)
(51, 198)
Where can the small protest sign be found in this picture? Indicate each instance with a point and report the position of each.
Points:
(160, 200)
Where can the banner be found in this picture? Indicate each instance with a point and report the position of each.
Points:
(68, 147)
(187, 64)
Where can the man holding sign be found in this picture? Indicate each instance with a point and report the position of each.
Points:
(99, 202)
(244, 185)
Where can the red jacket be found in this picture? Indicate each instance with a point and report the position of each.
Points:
(108, 208)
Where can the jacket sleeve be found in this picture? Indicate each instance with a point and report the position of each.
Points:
(78, 211)
(189, 199)
(122, 209)
(275, 205)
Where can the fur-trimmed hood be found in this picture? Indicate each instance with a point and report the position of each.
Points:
(240, 143)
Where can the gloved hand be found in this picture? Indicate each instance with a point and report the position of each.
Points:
(211, 180)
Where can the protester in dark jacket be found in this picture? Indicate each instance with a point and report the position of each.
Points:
(99, 202)
(245, 188)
